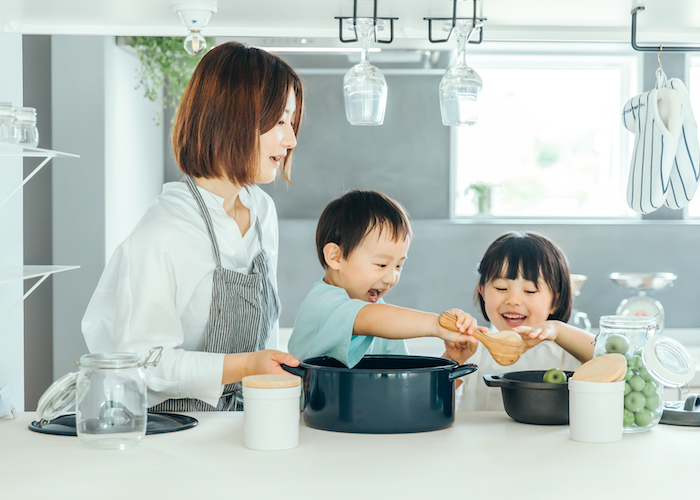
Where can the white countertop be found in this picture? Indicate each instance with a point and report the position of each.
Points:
(484, 456)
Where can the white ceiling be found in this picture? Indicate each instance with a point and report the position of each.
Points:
(662, 21)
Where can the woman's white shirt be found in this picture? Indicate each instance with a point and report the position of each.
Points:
(156, 289)
(477, 396)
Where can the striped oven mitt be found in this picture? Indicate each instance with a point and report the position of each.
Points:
(685, 173)
(655, 118)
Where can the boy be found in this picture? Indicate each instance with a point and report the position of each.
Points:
(362, 241)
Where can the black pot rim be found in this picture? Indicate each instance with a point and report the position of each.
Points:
(447, 364)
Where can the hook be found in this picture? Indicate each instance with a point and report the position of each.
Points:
(661, 66)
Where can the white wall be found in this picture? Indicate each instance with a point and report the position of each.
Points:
(133, 158)
(98, 198)
(12, 327)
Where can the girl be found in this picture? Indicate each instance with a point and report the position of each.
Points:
(525, 286)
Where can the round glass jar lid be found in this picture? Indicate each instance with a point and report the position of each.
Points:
(668, 361)
(58, 398)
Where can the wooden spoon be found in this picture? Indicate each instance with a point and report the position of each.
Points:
(605, 368)
(505, 347)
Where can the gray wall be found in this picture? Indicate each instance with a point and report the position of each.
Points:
(38, 234)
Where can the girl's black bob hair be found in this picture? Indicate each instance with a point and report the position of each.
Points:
(530, 255)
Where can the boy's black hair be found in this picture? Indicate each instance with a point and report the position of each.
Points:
(347, 220)
(531, 255)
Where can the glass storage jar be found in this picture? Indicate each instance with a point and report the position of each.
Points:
(111, 400)
(8, 132)
(26, 129)
(653, 361)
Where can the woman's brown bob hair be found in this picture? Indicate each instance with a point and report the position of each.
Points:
(236, 94)
(529, 255)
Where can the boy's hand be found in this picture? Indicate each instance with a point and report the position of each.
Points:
(466, 325)
(533, 335)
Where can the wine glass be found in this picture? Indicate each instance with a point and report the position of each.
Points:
(364, 86)
(460, 86)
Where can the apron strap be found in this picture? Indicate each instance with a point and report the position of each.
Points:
(205, 215)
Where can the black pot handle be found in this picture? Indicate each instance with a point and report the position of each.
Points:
(462, 370)
(494, 380)
(299, 371)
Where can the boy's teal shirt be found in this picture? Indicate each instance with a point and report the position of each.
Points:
(324, 327)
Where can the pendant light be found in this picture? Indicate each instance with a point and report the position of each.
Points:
(195, 17)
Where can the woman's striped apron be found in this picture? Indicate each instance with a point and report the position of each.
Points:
(244, 307)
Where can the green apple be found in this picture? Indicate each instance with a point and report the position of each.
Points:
(628, 389)
(637, 383)
(644, 374)
(627, 418)
(644, 418)
(634, 362)
(635, 401)
(629, 374)
(652, 402)
(617, 343)
(554, 376)
(649, 388)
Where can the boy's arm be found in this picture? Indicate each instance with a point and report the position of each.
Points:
(393, 322)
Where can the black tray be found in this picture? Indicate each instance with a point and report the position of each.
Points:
(157, 423)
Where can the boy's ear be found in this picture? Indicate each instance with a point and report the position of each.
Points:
(332, 254)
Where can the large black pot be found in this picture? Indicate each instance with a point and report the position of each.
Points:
(381, 394)
(528, 400)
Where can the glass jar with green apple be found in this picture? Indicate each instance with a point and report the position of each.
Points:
(653, 361)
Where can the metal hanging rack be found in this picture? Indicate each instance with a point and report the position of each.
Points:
(654, 48)
(354, 25)
(454, 19)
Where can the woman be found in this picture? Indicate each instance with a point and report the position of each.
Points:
(197, 275)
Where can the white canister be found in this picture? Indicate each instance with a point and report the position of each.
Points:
(271, 411)
(595, 411)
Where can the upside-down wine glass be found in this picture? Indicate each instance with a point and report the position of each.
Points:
(460, 86)
(364, 85)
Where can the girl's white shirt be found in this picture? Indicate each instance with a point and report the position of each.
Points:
(477, 396)
(156, 289)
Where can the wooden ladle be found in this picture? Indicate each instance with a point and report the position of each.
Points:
(505, 347)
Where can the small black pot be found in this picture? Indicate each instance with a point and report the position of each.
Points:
(528, 400)
(382, 394)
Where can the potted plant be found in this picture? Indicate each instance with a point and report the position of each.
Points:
(166, 65)
(482, 194)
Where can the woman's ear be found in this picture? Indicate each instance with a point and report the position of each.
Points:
(332, 255)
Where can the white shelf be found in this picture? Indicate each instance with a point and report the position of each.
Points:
(9, 274)
(16, 151)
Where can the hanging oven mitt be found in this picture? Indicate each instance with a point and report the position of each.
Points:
(685, 174)
(655, 118)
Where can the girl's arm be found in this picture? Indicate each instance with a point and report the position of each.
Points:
(393, 322)
(575, 341)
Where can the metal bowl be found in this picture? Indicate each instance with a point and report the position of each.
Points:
(643, 281)
(577, 281)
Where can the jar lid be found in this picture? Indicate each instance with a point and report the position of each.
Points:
(58, 398)
(110, 360)
(271, 381)
(625, 321)
(668, 361)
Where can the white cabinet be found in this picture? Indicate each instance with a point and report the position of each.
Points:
(12, 271)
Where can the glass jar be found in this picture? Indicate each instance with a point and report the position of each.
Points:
(8, 131)
(644, 395)
(26, 129)
(653, 361)
(111, 400)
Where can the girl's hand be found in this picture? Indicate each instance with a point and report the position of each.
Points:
(533, 335)
(462, 351)
(466, 325)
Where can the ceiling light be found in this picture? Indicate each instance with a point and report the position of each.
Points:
(195, 17)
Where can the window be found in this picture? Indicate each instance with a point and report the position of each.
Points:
(550, 138)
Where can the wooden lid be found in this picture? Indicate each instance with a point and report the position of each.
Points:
(271, 381)
(605, 368)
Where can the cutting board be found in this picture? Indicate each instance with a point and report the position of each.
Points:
(605, 368)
